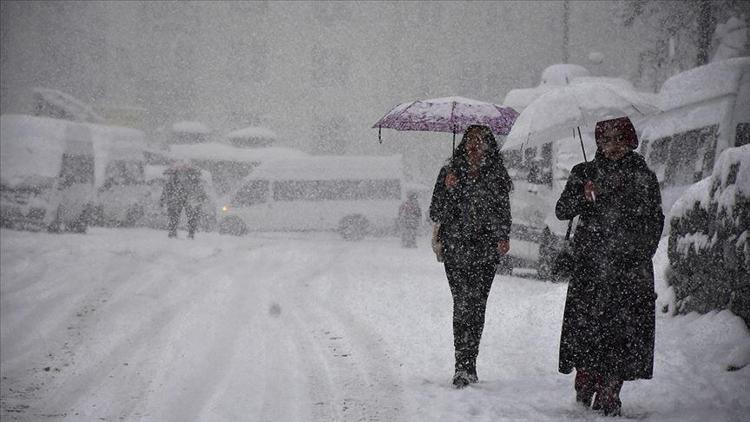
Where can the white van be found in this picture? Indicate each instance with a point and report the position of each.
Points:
(46, 173)
(706, 110)
(354, 195)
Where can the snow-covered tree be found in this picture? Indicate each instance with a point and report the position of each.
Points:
(679, 33)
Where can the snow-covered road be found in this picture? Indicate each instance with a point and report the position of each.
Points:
(130, 325)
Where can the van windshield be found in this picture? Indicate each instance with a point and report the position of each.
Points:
(252, 193)
(124, 172)
(76, 169)
(336, 190)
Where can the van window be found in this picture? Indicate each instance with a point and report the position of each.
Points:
(742, 135)
(76, 169)
(252, 193)
(336, 190)
(690, 153)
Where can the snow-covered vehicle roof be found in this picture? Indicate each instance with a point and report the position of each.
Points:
(75, 108)
(252, 132)
(186, 126)
(703, 83)
(562, 73)
(696, 98)
(223, 152)
(331, 167)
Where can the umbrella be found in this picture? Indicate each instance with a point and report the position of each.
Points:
(448, 114)
(565, 109)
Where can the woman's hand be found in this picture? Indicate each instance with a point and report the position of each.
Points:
(590, 191)
(503, 247)
(451, 180)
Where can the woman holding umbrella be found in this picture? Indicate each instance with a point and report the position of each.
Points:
(609, 323)
(470, 203)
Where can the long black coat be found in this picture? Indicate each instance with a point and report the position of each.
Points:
(474, 215)
(609, 322)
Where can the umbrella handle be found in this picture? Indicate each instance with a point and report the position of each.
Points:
(380, 137)
(453, 150)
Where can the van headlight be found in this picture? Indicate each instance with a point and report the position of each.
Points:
(225, 208)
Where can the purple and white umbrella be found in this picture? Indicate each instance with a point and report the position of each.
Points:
(448, 114)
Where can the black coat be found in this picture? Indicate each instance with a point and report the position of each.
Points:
(609, 322)
(474, 215)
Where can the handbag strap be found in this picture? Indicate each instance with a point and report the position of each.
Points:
(570, 227)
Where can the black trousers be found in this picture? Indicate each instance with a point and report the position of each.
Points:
(191, 212)
(470, 286)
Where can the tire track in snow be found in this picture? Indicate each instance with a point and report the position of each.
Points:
(363, 386)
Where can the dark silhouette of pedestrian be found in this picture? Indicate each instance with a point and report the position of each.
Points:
(183, 190)
(471, 205)
(409, 216)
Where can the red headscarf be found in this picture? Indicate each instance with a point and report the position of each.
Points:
(620, 126)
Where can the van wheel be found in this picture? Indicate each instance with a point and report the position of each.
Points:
(354, 227)
(232, 225)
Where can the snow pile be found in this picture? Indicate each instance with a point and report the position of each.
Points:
(252, 132)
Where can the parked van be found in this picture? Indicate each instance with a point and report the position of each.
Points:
(706, 110)
(353, 195)
(46, 173)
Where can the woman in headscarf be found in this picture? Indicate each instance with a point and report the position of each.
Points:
(470, 203)
(609, 322)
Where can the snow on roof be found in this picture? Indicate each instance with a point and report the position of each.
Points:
(252, 132)
(331, 167)
(190, 127)
(561, 74)
(224, 152)
(75, 107)
(703, 83)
